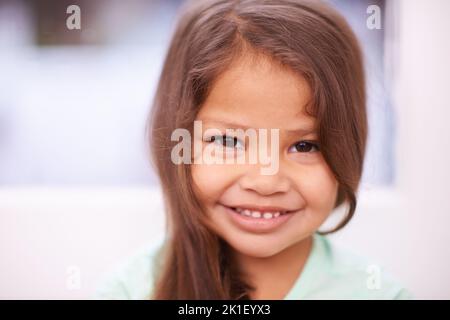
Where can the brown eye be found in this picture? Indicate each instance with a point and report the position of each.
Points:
(304, 147)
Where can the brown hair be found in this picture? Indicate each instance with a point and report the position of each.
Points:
(308, 37)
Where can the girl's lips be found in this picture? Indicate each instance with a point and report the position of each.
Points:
(256, 225)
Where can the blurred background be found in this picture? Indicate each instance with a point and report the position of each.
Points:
(77, 192)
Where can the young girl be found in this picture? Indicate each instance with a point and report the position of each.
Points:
(233, 232)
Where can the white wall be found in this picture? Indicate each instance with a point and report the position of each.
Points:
(44, 232)
(424, 143)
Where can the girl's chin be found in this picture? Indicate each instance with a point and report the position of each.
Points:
(255, 248)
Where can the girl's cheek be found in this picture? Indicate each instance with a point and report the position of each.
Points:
(212, 180)
(319, 187)
(315, 182)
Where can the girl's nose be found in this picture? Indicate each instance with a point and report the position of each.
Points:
(264, 185)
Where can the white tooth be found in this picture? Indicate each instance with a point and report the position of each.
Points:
(276, 214)
(238, 209)
(246, 213)
(267, 215)
(256, 214)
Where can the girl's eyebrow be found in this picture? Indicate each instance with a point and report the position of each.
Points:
(232, 125)
(302, 131)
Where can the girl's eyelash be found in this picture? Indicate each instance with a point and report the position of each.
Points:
(306, 144)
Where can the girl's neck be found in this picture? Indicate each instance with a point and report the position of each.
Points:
(274, 276)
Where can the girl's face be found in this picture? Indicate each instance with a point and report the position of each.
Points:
(261, 215)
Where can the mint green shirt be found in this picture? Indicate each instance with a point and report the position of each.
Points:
(329, 273)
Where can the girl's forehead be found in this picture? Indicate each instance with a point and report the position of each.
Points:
(259, 93)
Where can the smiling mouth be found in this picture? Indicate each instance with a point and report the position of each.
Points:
(261, 213)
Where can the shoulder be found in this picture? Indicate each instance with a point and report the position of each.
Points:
(133, 278)
(344, 274)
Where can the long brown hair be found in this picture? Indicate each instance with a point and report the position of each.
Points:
(308, 37)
